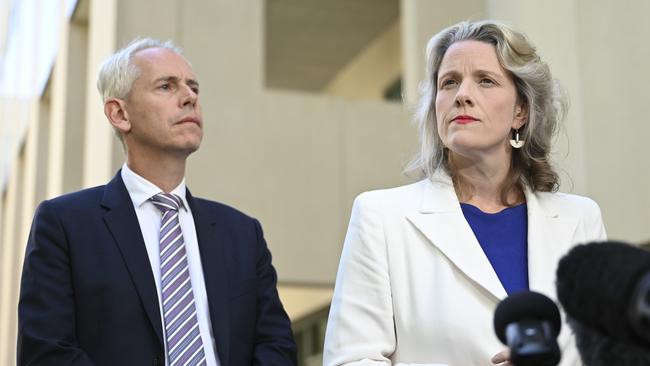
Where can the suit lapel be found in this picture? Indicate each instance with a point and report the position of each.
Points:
(548, 234)
(441, 221)
(123, 224)
(213, 258)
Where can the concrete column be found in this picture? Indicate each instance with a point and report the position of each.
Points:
(8, 280)
(3, 249)
(614, 77)
(98, 141)
(559, 46)
(75, 108)
(23, 210)
(59, 94)
(421, 19)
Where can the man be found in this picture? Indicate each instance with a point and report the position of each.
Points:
(139, 272)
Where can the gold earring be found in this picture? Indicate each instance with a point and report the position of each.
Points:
(516, 142)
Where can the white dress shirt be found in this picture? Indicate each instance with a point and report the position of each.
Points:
(141, 190)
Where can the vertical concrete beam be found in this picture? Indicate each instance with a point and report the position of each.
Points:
(98, 146)
(559, 46)
(421, 19)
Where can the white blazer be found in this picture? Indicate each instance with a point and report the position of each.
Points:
(415, 288)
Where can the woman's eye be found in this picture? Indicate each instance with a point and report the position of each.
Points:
(448, 82)
(486, 81)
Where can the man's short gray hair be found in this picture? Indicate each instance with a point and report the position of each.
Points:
(117, 73)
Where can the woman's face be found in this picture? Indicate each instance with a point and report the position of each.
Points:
(476, 102)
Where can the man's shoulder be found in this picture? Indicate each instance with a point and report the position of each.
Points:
(221, 210)
(78, 198)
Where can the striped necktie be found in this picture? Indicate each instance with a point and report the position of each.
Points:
(184, 345)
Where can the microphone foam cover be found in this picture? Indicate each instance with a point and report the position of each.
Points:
(595, 283)
(527, 305)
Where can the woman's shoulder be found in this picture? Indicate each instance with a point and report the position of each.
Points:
(568, 203)
(409, 194)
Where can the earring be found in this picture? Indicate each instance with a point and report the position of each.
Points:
(516, 142)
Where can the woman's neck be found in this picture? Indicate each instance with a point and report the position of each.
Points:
(481, 184)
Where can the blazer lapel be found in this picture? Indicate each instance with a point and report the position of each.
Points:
(123, 224)
(548, 234)
(213, 258)
(441, 221)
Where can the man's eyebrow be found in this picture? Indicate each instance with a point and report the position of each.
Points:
(192, 82)
(174, 79)
(166, 78)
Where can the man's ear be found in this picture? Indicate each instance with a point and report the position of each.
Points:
(115, 111)
(521, 116)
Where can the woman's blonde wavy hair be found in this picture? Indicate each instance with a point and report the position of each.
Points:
(541, 95)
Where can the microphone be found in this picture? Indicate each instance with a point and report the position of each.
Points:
(529, 323)
(605, 291)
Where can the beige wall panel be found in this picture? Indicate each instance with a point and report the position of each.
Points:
(373, 70)
(379, 140)
(98, 164)
(10, 275)
(3, 198)
(75, 107)
(57, 128)
(25, 205)
(42, 167)
(272, 162)
(151, 18)
(224, 41)
(30, 172)
(615, 76)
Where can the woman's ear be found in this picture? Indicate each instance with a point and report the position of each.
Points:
(520, 117)
(115, 111)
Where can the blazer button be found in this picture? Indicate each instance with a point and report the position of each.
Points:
(158, 361)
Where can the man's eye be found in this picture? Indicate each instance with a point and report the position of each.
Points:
(165, 87)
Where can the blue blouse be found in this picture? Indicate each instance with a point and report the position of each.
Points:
(503, 238)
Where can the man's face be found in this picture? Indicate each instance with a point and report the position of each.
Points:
(163, 107)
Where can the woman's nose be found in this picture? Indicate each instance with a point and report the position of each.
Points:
(464, 95)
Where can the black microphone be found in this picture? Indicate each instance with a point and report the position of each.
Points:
(605, 291)
(529, 323)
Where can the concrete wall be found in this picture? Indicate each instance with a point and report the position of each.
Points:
(614, 52)
(293, 160)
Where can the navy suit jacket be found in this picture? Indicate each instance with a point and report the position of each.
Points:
(88, 295)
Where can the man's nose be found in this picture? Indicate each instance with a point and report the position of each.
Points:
(189, 96)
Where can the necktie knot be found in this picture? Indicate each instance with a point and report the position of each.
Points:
(166, 202)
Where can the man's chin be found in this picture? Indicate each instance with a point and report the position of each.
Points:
(192, 144)
(191, 148)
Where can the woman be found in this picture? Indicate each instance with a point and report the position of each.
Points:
(424, 265)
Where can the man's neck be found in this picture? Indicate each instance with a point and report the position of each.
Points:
(166, 174)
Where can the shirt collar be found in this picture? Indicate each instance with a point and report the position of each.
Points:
(141, 190)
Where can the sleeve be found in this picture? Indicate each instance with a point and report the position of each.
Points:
(46, 309)
(360, 328)
(274, 344)
(595, 226)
